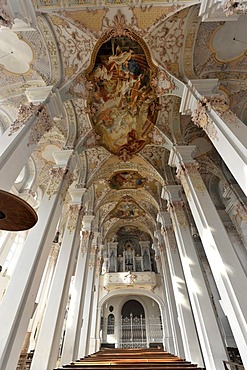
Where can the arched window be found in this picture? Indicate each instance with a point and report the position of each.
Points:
(110, 324)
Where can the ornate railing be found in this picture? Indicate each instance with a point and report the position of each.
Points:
(133, 332)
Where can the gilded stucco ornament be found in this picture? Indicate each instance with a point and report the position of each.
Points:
(190, 171)
(177, 213)
(163, 83)
(24, 113)
(59, 176)
(5, 18)
(56, 175)
(41, 126)
(219, 104)
(201, 118)
(81, 87)
(73, 216)
(231, 7)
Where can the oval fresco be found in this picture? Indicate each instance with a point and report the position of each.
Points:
(126, 180)
(122, 102)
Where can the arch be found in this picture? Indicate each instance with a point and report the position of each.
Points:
(134, 307)
(136, 292)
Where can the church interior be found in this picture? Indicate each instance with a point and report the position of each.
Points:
(123, 184)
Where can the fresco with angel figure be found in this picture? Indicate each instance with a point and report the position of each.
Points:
(123, 102)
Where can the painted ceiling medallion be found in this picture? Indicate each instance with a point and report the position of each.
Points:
(123, 102)
(126, 209)
(126, 180)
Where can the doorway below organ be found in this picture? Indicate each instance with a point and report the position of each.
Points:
(131, 323)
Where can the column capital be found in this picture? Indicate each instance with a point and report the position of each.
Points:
(37, 95)
(205, 87)
(76, 194)
(61, 158)
(171, 193)
(181, 154)
(87, 222)
(164, 218)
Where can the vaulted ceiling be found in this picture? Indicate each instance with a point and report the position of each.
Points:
(120, 71)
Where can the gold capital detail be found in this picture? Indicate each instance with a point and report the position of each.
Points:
(177, 213)
(73, 216)
(201, 119)
(59, 175)
(41, 126)
(24, 113)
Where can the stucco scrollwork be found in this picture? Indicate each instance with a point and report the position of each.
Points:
(177, 213)
(219, 104)
(59, 176)
(231, 7)
(163, 83)
(190, 170)
(52, 47)
(119, 27)
(73, 216)
(24, 113)
(56, 174)
(41, 126)
(201, 118)
(5, 18)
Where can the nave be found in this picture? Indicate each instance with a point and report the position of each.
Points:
(136, 359)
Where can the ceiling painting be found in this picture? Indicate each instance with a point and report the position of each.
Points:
(112, 226)
(132, 232)
(137, 164)
(140, 194)
(126, 180)
(123, 101)
(127, 208)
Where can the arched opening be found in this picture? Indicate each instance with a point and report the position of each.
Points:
(133, 325)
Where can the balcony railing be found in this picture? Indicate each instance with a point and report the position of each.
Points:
(144, 280)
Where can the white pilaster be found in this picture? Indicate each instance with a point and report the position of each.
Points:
(75, 313)
(44, 289)
(228, 273)
(18, 302)
(212, 346)
(45, 355)
(227, 133)
(92, 344)
(187, 325)
(173, 339)
(88, 300)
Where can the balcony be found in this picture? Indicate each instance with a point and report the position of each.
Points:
(138, 280)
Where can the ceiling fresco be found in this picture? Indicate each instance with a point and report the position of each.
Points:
(127, 208)
(119, 68)
(126, 180)
(122, 101)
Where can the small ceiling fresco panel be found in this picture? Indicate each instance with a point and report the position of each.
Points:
(126, 180)
(127, 208)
